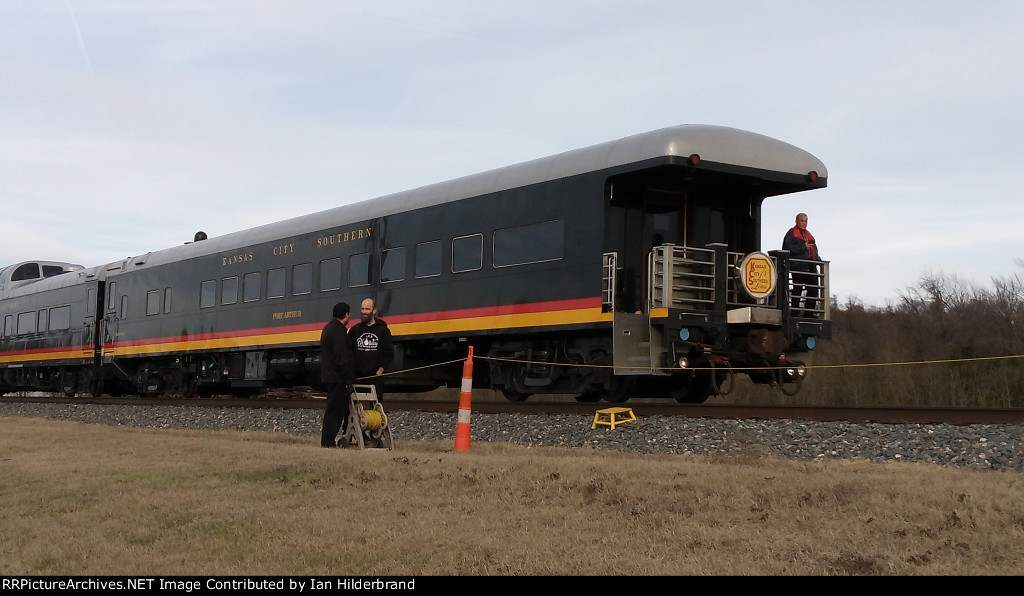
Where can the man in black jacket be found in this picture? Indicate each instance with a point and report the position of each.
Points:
(337, 373)
(371, 347)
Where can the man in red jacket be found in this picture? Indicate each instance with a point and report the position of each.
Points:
(801, 246)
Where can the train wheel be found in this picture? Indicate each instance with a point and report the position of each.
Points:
(791, 388)
(91, 384)
(622, 389)
(694, 396)
(114, 388)
(190, 388)
(723, 378)
(513, 395)
(69, 384)
(698, 390)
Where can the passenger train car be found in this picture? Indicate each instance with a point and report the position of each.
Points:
(632, 268)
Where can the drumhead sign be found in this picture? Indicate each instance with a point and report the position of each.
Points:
(757, 275)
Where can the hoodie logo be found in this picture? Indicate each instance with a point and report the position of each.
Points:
(367, 342)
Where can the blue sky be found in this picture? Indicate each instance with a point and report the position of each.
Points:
(126, 125)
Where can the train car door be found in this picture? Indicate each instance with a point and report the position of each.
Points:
(86, 337)
(642, 217)
(647, 209)
(110, 320)
(664, 223)
(94, 322)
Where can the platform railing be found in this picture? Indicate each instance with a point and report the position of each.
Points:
(813, 287)
(681, 277)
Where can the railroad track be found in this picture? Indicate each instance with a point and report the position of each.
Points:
(488, 405)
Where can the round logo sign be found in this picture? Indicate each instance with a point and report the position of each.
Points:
(757, 275)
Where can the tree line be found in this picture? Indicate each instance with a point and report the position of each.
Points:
(942, 343)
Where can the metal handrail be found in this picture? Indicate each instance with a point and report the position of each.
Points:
(814, 282)
(610, 262)
(681, 277)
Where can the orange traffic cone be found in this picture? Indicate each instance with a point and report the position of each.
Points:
(462, 426)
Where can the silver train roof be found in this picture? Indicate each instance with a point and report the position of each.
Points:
(717, 144)
(73, 274)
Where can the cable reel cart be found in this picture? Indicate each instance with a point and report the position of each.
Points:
(368, 426)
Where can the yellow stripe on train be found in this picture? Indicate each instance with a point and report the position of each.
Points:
(567, 317)
(562, 317)
(35, 357)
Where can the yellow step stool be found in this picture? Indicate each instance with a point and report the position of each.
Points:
(613, 417)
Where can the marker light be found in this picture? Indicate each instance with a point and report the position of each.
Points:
(684, 334)
(804, 344)
(812, 176)
(695, 159)
(683, 362)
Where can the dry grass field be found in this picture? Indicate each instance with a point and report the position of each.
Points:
(79, 499)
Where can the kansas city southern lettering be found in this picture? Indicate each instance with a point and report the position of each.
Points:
(341, 237)
(284, 249)
(289, 248)
(235, 259)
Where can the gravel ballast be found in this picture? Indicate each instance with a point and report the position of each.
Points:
(970, 446)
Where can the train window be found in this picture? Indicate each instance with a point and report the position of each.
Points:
(60, 318)
(330, 274)
(428, 259)
(534, 243)
(229, 290)
(359, 270)
(392, 264)
(112, 296)
(124, 306)
(208, 293)
(8, 325)
(302, 279)
(26, 271)
(51, 270)
(152, 302)
(26, 322)
(276, 282)
(167, 300)
(43, 320)
(251, 287)
(467, 253)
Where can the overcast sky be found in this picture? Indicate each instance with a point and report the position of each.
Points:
(128, 125)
